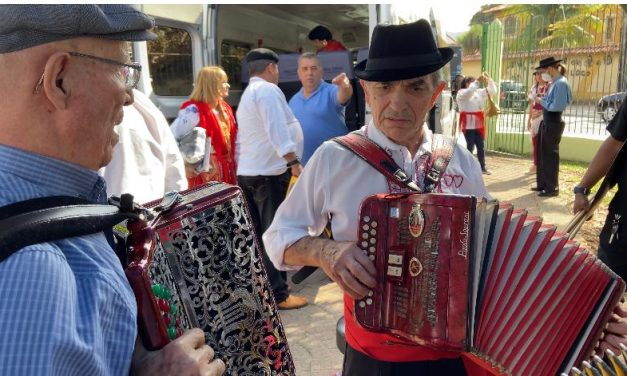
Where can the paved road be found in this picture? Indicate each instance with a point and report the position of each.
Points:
(311, 330)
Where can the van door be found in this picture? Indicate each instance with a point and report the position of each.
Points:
(171, 61)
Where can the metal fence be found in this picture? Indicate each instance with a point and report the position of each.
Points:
(590, 39)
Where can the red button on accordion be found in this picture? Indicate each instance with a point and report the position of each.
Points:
(460, 274)
(197, 264)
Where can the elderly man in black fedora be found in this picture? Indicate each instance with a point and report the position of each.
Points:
(558, 97)
(67, 307)
(401, 82)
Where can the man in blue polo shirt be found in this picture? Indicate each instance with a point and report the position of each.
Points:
(318, 105)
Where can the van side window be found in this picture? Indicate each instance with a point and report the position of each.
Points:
(170, 61)
(231, 56)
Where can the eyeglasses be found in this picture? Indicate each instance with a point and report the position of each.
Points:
(130, 71)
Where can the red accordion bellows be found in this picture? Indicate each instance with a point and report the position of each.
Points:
(460, 274)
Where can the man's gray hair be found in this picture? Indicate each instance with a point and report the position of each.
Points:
(310, 55)
(258, 66)
(436, 77)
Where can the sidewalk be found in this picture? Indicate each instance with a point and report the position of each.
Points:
(311, 330)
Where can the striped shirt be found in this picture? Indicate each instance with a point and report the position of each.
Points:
(66, 307)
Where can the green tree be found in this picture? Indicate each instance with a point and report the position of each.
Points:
(471, 40)
(556, 25)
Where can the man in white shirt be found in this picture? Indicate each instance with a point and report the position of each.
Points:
(146, 161)
(268, 147)
(401, 82)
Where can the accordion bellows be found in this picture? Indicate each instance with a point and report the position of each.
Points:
(460, 274)
(198, 265)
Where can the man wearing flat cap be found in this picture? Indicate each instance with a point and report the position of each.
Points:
(401, 82)
(268, 149)
(67, 308)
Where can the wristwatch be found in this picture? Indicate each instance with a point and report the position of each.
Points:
(292, 162)
(583, 190)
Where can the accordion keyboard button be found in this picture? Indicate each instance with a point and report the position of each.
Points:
(369, 301)
(362, 304)
(366, 227)
(373, 241)
(374, 224)
(371, 249)
(365, 235)
(364, 244)
(370, 293)
(371, 257)
(366, 219)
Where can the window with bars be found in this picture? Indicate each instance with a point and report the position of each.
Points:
(170, 62)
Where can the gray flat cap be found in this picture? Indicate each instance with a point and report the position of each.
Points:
(25, 26)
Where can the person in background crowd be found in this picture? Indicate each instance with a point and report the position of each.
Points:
(269, 146)
(613, 237)
(67, 307)
(534, 117)
(554, 102)
(323, 40)
(207, 109)
(471, 99)
(319, 106)
(146, 161)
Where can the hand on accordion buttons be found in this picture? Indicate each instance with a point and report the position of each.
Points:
(349, 267)
(615, 332)
(186, 355)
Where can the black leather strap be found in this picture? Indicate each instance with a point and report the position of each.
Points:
(52, 218)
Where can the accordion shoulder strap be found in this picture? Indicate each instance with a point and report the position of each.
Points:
(441, 154)
(374, 155)
(52, 218)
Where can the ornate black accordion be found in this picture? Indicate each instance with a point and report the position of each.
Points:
(196, 263)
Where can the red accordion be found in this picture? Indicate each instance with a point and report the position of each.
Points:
(196, 263)
(460, 274)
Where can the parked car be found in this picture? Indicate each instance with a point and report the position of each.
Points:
(513, 95)
(609, 105)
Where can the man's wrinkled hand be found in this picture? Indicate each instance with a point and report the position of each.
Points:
(187, 355)
(349, 267)
(615, 332)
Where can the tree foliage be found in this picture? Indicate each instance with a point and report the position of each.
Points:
(471, 40)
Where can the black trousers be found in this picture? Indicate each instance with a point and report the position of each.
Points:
(264, 195)
(549, 138)
(473, 137)
(358, 364)
(613, 243)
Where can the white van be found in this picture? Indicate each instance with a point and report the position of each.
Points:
(193, 36)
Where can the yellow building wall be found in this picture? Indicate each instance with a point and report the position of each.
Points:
(471, 68)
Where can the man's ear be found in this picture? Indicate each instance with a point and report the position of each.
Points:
(437, 93)
(366, 94)
(55, 88)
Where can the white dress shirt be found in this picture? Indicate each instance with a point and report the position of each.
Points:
(146, 160)
(336, 181)
(472, 99)
(267, 130)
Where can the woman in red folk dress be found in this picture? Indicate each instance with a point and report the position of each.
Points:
(207, 109)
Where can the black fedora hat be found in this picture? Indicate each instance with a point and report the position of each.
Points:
(547, 62)
(400, 52)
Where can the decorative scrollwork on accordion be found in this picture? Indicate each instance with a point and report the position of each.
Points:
(209, 260)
